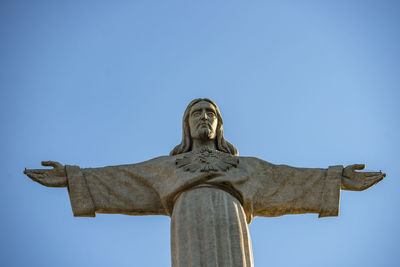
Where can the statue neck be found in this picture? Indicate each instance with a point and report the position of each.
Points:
(200, 143)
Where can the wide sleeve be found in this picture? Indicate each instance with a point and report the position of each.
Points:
(281, 189)
(125, 189)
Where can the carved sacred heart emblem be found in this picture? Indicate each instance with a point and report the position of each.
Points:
(207, 160)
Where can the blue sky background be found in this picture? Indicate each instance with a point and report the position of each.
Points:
(95, 83)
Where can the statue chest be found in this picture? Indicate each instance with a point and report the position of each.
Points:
(206, 160)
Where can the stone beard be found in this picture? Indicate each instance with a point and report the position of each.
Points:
(205, 133)
(210, 193)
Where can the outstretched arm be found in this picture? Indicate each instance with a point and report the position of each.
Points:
(125, 189)
(283, 189)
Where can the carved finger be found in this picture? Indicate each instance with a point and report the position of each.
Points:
(369, 174)
(43, 179)
(36, 171)
(34, 176)
(358, 167)
(370, 181)
(381, 175)
(33, 172)
(377, 176)
(50, 163)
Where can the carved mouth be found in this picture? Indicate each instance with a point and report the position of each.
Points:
(204, 125)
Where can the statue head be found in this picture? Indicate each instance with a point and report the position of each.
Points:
(202, 119)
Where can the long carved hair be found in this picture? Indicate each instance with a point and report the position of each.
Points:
(186, 144)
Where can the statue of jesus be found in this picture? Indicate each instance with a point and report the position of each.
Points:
(210, 193)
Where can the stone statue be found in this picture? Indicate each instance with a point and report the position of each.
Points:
(210, 193)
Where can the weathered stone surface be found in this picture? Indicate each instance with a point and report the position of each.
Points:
(209, 191)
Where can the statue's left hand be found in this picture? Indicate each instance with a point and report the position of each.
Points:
(358, 181)
(55, 177)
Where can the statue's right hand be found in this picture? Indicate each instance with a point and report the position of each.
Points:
(55, 177)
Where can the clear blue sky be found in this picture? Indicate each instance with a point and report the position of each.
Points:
(95, 83)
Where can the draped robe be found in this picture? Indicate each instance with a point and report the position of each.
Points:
(211, 198)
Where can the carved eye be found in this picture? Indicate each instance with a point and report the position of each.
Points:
(210, 114)
(196, 113)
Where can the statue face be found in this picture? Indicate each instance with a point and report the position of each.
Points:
(203, 121)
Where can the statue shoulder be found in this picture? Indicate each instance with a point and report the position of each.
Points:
(254, 161)
(161, 160)
(154, 162)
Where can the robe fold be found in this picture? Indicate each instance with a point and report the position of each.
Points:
(210, 207)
